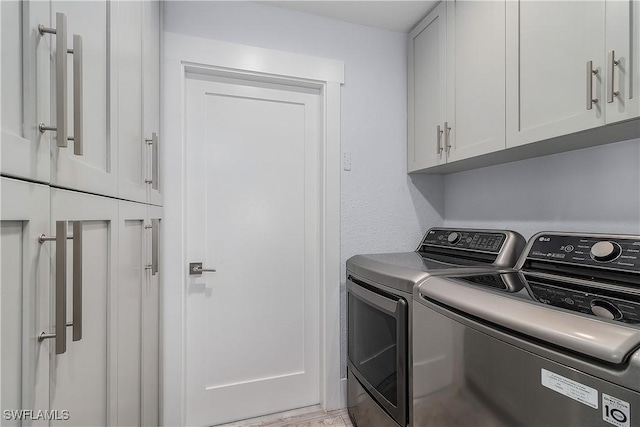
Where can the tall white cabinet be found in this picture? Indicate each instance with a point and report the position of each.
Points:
(81, 212)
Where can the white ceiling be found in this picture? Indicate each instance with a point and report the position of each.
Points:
(399, 16)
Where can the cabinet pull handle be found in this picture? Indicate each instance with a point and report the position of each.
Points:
(612, 69)
(77, 96)
(439, 139)
(155, 245)
(61, 79)
(77, 280)
(60, 333)
(447, 137)
(153, 142)
(590, 74)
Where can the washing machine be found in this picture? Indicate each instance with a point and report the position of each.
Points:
(554, 344)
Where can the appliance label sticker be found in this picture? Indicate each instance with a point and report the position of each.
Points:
(574, 390)
(616, 411)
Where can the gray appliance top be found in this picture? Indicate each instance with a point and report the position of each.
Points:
(441, 252)
(577, 291)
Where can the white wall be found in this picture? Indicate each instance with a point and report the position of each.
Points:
(383, 209)
(595, 189)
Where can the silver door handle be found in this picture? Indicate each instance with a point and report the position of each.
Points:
(60, 333)
(447, 137)
(61, 284)
(439, 140)
(77, 95)
(61, 79)
(590, 74)
(155, 245)
(612, 69)
(77, 280)
(195, 268)
(155, 175)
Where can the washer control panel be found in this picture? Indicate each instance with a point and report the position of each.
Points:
(618, 307)
(608, 252)
(464, 239)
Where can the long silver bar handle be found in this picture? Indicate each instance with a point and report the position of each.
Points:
(590, 74)
(78, 143)
(77, 280)
(439, 140)
(60, 334)
(195, 268)
(612, 69)
(61, 79)
(155, 245)
(447, 137)
(155, 175)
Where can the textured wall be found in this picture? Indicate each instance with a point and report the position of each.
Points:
(383, 209)
(595, 189)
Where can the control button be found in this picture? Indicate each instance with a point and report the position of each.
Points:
(605, 309)
(569, 301)
(454, 237)
(568, 248)
(605, 251)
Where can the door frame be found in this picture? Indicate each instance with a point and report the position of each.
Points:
(187, 54)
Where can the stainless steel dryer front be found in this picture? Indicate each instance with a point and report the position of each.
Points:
(379, 294)
(556, 344)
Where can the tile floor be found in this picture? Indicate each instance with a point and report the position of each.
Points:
(312, 416)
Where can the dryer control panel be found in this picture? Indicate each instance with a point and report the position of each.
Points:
(608, 252)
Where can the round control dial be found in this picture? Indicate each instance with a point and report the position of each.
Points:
(605, 251)
(454, 237)
(605, 309)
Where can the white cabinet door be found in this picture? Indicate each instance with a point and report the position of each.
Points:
(132, 149)
(24, 299)
(549, 45)
(151, 379)
(427, 91)
(137, 316)
(25, 89)
(476, 75)
(151, 78)
(623, 60)
(95, 170)
(82, 377)
(132, 277)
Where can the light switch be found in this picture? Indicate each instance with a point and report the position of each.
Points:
(346, 160)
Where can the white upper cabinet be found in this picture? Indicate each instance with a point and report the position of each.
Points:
(25, 67)
(456, 83)
(623, 60)
(151, 95)
(475, 123)
(427, 91)
(555, 68)
(92, 164)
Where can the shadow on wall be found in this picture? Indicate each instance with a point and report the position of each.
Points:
(594, 190)
(427, 190)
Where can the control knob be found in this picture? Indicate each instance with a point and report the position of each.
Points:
(454, 237)
(605, 309)
(605, 251)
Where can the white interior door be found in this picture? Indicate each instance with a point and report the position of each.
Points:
(252, 214)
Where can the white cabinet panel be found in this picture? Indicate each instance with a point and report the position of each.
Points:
(24, 299)
(548, 47)
(131, 282)
(25, 68)
(623, 46)
(151, 77)
(95, 170)
(132, 150)
(476, 75)
(83, 375)
(151, 379)
(427, 90)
